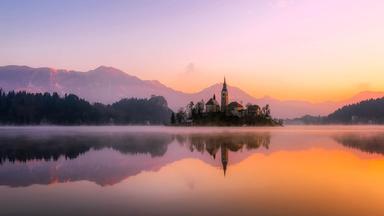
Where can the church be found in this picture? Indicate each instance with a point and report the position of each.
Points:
(233, 108)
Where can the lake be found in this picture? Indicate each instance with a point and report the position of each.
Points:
(293, 170)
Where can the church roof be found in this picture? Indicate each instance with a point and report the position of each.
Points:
(235, 104)
(212, 101)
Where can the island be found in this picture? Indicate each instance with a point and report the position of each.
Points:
(225, 114)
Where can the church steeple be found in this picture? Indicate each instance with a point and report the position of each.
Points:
(224, 97)
(224, 85)
(224, 157)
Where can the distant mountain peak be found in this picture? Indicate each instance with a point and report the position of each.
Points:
(110, 72)
(361, 96)
(368, 95)
(106, 69)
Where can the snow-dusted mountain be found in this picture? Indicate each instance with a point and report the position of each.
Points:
(107, 85)
(103, 84)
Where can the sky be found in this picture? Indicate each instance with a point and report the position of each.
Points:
(287, 49)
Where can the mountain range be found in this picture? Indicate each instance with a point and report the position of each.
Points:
(108, 85)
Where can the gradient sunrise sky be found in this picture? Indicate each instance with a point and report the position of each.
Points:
(288, 49)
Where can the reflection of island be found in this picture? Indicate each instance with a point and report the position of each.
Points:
(226, 142)
(109, 158)
(365, 143)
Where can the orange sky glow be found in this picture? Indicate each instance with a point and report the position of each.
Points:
(287, 49)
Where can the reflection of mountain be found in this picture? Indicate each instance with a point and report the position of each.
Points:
(109, 158)
(365, 143)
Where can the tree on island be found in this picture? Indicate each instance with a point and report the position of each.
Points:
(253, 116)
(173, 118)
(181, 116)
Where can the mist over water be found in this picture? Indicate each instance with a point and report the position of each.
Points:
(113, 170)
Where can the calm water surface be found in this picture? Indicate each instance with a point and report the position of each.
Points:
(192, 171)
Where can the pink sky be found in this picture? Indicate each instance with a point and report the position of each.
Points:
(292, 49)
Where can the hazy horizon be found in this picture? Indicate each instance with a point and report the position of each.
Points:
(356, 97)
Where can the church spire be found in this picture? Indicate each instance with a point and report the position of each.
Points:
(224, 157)
(225, 85)
(224, 97)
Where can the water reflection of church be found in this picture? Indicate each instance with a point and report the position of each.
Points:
(213, 143)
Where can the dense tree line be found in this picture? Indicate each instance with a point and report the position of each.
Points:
(22, 108)
(365, 112)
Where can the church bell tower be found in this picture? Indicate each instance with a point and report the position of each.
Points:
(224, 97)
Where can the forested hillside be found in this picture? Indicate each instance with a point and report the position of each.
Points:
(365, 112)
(22, 108)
